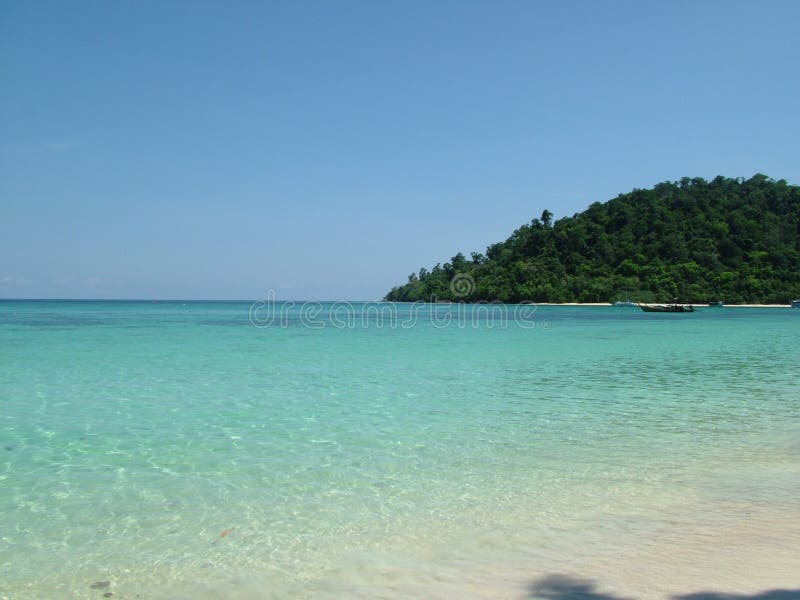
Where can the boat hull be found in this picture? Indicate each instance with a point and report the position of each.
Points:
(670, 308)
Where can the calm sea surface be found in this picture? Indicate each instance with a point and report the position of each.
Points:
(377, 450)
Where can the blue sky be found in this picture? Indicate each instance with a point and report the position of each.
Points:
(328, 149)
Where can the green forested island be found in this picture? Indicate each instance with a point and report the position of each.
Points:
(727, 239)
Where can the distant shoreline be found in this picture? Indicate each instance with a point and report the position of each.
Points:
(607, 304)
(244, 301)
(694, 304)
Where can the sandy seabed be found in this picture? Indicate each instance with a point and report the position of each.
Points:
(720, 551)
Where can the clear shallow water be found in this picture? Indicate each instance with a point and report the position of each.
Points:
(387, 458)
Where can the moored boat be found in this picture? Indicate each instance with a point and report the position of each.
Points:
(717, 303)
(667, 308)
(796, 303)
(625, 303)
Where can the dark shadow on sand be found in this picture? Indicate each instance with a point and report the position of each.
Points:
(768, 595)
(567, 587)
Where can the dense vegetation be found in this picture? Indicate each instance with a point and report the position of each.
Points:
(731, 239)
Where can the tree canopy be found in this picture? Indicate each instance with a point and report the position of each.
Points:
(727, 239)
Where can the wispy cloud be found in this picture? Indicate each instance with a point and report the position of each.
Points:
(92, 283)
(15, 281)
(49, 147)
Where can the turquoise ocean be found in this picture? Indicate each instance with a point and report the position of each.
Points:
(373, 450)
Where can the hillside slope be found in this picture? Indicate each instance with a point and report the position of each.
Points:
(731, 239)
